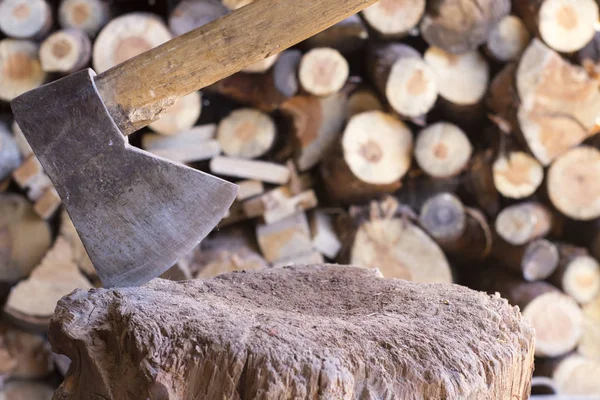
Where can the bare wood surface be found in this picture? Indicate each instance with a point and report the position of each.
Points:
(246, 133)
(577, 376)
(508, 39)
(394, 18)
(181, 116)
(323, 71)
(567, 26)
(194, 144)
(589, 345)
(443, 150)
(523, 222)
(222, 314)
(20, 68)
(25, 19)
(192, 62)
(517, 174)
(88, 15)
(65, 51)
(285, 239)
(534, 261)
(250, 169)
(189, 15)
(578, 274)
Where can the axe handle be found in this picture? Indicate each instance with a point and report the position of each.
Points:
(137, 91)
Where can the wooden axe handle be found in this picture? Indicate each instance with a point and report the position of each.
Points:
(138, 90)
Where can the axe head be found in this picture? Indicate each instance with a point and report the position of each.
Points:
(136, 213)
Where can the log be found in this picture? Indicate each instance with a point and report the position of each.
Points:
(461, 26)
(10, 156)
(264, 171)
(417, 188)
(523, 222)
(25, 19)
(23, 390)
(324, 236)
(317, 122)
(442, 150)
(285, 239)
(572, 183)
(577, 376)
(559, 102)
(191, 14)
(394, 18)
(24, 238)
(462, 232)
(66, 51)
(243, 328)
(589, 345)
(517, 174)
(402, 76)
(534, 261)
(246, 133)
(31, 302)
(347, 36)
(462, 78)
(88, 15)
(314, 257)
(323, 71)
(542, 305)
(279, 203)
(377, 147)
(48, 203)
(24, 355)
(578, 274)
(480, 182)
(191, 145)
(179, 117)
(503, 98)
(399, 249)
(127, 36)
(20, 66)
(363, 100)
(508, 39)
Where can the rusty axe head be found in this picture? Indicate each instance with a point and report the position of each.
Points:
(135, 213)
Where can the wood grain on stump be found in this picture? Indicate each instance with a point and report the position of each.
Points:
(319, 332)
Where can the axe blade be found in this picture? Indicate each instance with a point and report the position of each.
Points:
(136, 213)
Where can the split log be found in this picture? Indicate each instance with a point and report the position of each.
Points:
(262, 66)
(442, 150)
(23, 390)
(22, 143)
(480, 182)
(323, 71)
(20, 66)
(577, 376)
(88, 15)
(462, 232)
(517, 174)
(589, 345)
(312, 258)
(461, 26)
(48, 203)
(342, 186)
(264, 91)
(578, 274)
(462, 78)
(363, 100)
(508, 39)
(402, 76)
(398, 248)
(31, 302)
(250, 169)
(559, 102)
(24, 355)
(542, 305)
(534, 261)
(80, 257)
(181, 116)
(325, 238)
(246, 133)
(377, 147)
(126, 37)
(347, 36)
(248, 189)
(572, 183)
(194, 144)
(10, 156)
(523, 222)
(285, 239)
(191, 14)
(31, 176)
(249, 358)
(317, 123)
(279, 204)
(25, 19)
(66, 51)
(24, 238)
(566, 26)
(394, 18)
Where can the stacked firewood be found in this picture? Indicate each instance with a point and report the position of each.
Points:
(444, 141)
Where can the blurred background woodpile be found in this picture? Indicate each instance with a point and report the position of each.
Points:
(440, 141)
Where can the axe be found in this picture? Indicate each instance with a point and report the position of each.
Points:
(137, 213)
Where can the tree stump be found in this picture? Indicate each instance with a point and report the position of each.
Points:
(318, 332)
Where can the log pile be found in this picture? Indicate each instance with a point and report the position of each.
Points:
(438, 141)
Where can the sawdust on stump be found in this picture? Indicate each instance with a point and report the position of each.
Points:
(318, 332)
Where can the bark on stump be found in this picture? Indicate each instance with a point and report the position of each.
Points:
(319, 332)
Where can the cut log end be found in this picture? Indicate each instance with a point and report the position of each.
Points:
(442, 150)
(540, 260)
(323, 71)
(394, 18)
(412, 87)
(517, 175)
(380, 158)
(320, 301)
(520, 223)
(508, 39)
(246, 133)
(182, 116)
(25, 19)
(443, 217)
(87, 15)
(573, 184)
(20, 68)
(581, 279)
(567, 26)
(589, 345)
(262, 66)
(577, 376)
(65, 51)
